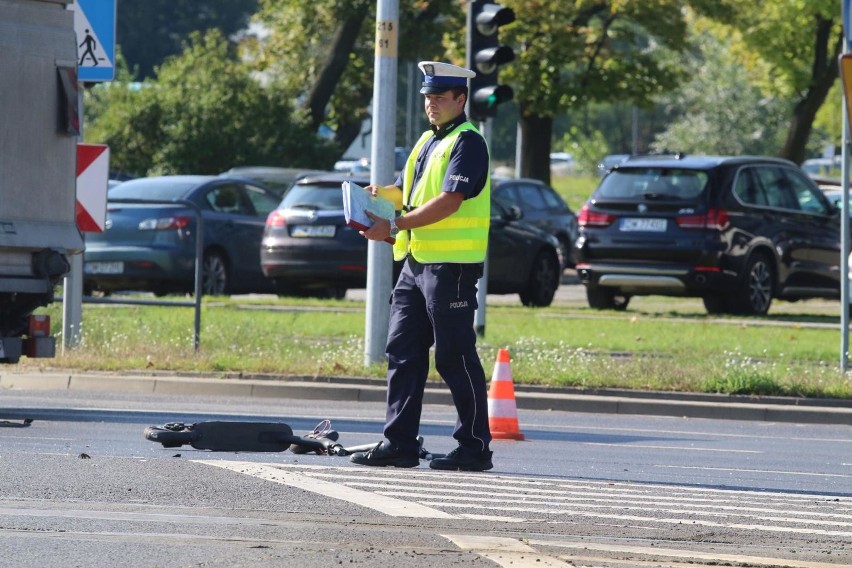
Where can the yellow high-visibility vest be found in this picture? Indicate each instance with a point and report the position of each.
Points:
(461, 237)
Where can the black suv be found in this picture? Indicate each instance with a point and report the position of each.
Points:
(735, 231)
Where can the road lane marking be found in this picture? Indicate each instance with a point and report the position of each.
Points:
(34, 510)
(638, 518)
(484, 502)
(497, 518)
(689, 555)
(506, 552)
(738, 470)
(647, 507)
(386, 505)
(681, 448)
(702, 435)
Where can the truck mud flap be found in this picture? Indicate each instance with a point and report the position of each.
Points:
(40, 347)
(10, 349)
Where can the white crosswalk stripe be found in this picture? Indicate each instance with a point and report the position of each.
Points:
(518, 499)
(528, 499)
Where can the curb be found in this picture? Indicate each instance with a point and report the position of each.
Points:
(686, 405)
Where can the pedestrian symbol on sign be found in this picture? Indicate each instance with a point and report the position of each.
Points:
(91, 44)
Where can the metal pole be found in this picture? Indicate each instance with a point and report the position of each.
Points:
(844, 248)
(844, 210)
(199, 272)
(482, 288)
(72, 284)
(519, 139)
(379, 254)
(412, 98)
(635, 130)
(199, 268)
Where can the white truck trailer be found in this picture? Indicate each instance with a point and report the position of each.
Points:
(39, 126)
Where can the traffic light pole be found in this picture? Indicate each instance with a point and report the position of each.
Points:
(379, 254)
(845, 301)
(482, 289)
(484, 56)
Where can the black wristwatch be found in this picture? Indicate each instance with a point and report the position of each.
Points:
(394, 230)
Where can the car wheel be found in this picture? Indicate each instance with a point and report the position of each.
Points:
(543, 281)
(755, 293)
(323, 292)
(564, 251)
(215, 280)
(715, 304)
(284, 288)
(337, 292)
(606, 299)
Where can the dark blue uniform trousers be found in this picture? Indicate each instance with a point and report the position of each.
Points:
(435, 304)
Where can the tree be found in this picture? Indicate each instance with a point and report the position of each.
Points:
(151, 30)
(794, 44)
(720, 110)
(828, 124)
(321, 54)
(574, 52)
(125, 115)
(203, 113)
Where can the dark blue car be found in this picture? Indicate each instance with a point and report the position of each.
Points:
(151, 246)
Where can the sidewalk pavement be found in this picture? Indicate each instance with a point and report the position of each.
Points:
(612, 401)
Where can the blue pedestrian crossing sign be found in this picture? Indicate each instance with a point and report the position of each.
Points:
(94, 24)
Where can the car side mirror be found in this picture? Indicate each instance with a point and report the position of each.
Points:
(514, 213)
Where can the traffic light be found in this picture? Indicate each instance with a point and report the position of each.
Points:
(485, 55)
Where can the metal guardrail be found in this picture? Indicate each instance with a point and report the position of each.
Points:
(199, 259)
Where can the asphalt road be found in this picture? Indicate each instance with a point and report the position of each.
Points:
(81, 487)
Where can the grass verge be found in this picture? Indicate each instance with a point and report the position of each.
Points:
(659, 344)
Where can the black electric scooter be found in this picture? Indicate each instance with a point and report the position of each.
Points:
(222, 436)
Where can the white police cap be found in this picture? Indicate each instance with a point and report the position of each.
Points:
(439, 77)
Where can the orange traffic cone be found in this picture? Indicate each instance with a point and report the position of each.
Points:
(502, 411)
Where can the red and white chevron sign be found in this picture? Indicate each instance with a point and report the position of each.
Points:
(92, 180)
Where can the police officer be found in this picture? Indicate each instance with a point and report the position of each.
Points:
(444, 195)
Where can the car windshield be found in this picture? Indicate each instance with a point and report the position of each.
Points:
(311, 196)
(653, 183)
(155, 189)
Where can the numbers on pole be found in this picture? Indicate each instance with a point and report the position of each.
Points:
(386, 38)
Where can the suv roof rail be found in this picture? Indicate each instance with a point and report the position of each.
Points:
(664, 154)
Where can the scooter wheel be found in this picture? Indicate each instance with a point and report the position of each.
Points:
(169, 438)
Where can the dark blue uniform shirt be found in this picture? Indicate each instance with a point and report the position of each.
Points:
(468, 168)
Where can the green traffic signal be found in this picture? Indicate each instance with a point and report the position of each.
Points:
(485, 55)
(484, 100)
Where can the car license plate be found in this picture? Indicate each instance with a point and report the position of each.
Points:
(651, 225)
(323, 231)
(104, 268)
